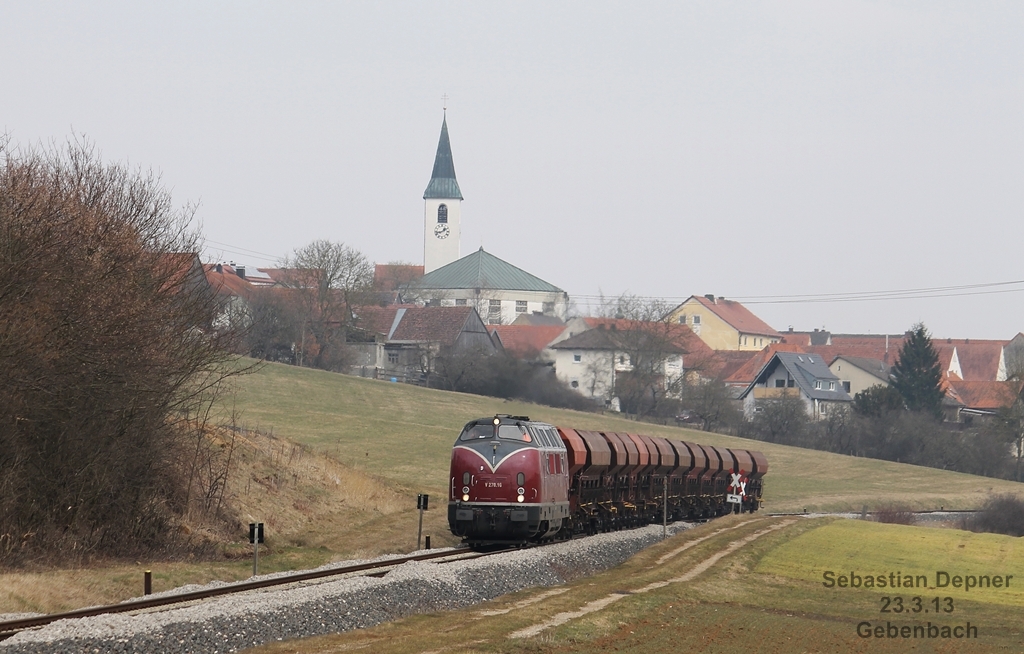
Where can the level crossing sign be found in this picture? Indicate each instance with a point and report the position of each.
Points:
(737, 487)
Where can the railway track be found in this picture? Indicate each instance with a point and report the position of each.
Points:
(373, 569)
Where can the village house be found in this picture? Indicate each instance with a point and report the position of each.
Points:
(799, 375)
(591, 362)
(404, 342)
(724, 324)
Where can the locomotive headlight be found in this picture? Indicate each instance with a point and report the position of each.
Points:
(520, 498)
(465, 497)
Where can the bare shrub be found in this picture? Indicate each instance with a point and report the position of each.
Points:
(106, 355)
(1001, 514)
(895, 514)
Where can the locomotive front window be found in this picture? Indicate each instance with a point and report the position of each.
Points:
(473, 432)
(514, 432)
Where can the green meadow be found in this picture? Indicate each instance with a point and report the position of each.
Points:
(403, 435)
(763, 593)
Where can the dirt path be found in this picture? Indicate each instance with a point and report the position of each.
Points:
(598, 604)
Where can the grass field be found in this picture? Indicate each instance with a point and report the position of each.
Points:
(332, 465)
(403, 434)
(765, 594)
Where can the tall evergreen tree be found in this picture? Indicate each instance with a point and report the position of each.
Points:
(917, 375)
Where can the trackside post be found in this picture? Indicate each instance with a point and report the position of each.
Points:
(255, 537)
(421, 503)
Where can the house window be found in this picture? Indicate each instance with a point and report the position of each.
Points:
(846, 386)
(744, 340)
(831, 386)
(494, 311)
(790, 384)
(780, 383)
(574, 384)
(817, 384)
(392, 356)
(696, 320)
(549, 307)
(682, 319)
(577, 357)
(461, 302)
(442, 213)
(520, 306)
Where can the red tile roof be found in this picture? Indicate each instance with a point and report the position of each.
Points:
(606, 334)
(226, 282)
(432, 324)
(527, 340)
(389, 276)
(728, 362)
(988, 395)
(744, 375)
(737, 315)
(979, 359)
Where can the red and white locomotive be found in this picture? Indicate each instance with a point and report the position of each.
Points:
(515, 480)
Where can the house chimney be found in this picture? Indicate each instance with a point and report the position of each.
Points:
(220, 267)
(240, 271)
(711, 296)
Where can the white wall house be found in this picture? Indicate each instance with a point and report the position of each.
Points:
(591, 362)
(498, 290)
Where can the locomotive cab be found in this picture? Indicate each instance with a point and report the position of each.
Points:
(508, 481)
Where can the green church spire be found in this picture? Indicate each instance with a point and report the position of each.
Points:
(442, 181)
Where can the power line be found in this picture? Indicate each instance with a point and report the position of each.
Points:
(255, 254)
(849, 296)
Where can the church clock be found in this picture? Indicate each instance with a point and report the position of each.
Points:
(442, 231)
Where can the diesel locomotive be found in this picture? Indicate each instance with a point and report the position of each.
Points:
(514, 480)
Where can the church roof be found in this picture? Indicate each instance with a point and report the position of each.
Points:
(442, 181)
(484, 271)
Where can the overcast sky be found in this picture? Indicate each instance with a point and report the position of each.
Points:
(661, 149)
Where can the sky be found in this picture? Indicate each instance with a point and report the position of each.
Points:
(821, 162)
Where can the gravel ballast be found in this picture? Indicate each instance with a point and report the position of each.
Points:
(234, 622)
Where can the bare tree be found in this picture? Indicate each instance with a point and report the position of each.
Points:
(650, 354)
(107, 351)
(330, 279)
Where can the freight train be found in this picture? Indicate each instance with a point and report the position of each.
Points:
(514, 480)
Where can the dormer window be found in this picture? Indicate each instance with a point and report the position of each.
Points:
(442, 213)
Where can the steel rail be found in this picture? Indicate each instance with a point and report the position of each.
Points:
(11, 627)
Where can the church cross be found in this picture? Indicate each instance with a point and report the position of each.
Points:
(444, 99)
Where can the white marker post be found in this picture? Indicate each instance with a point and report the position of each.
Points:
(255, 537)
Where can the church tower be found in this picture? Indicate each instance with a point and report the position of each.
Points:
(442, 224)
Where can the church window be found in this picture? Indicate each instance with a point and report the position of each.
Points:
(494, 312)
(520, 306)
(392, 356)
(442, 213)
(460, 302)
(549, 307)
